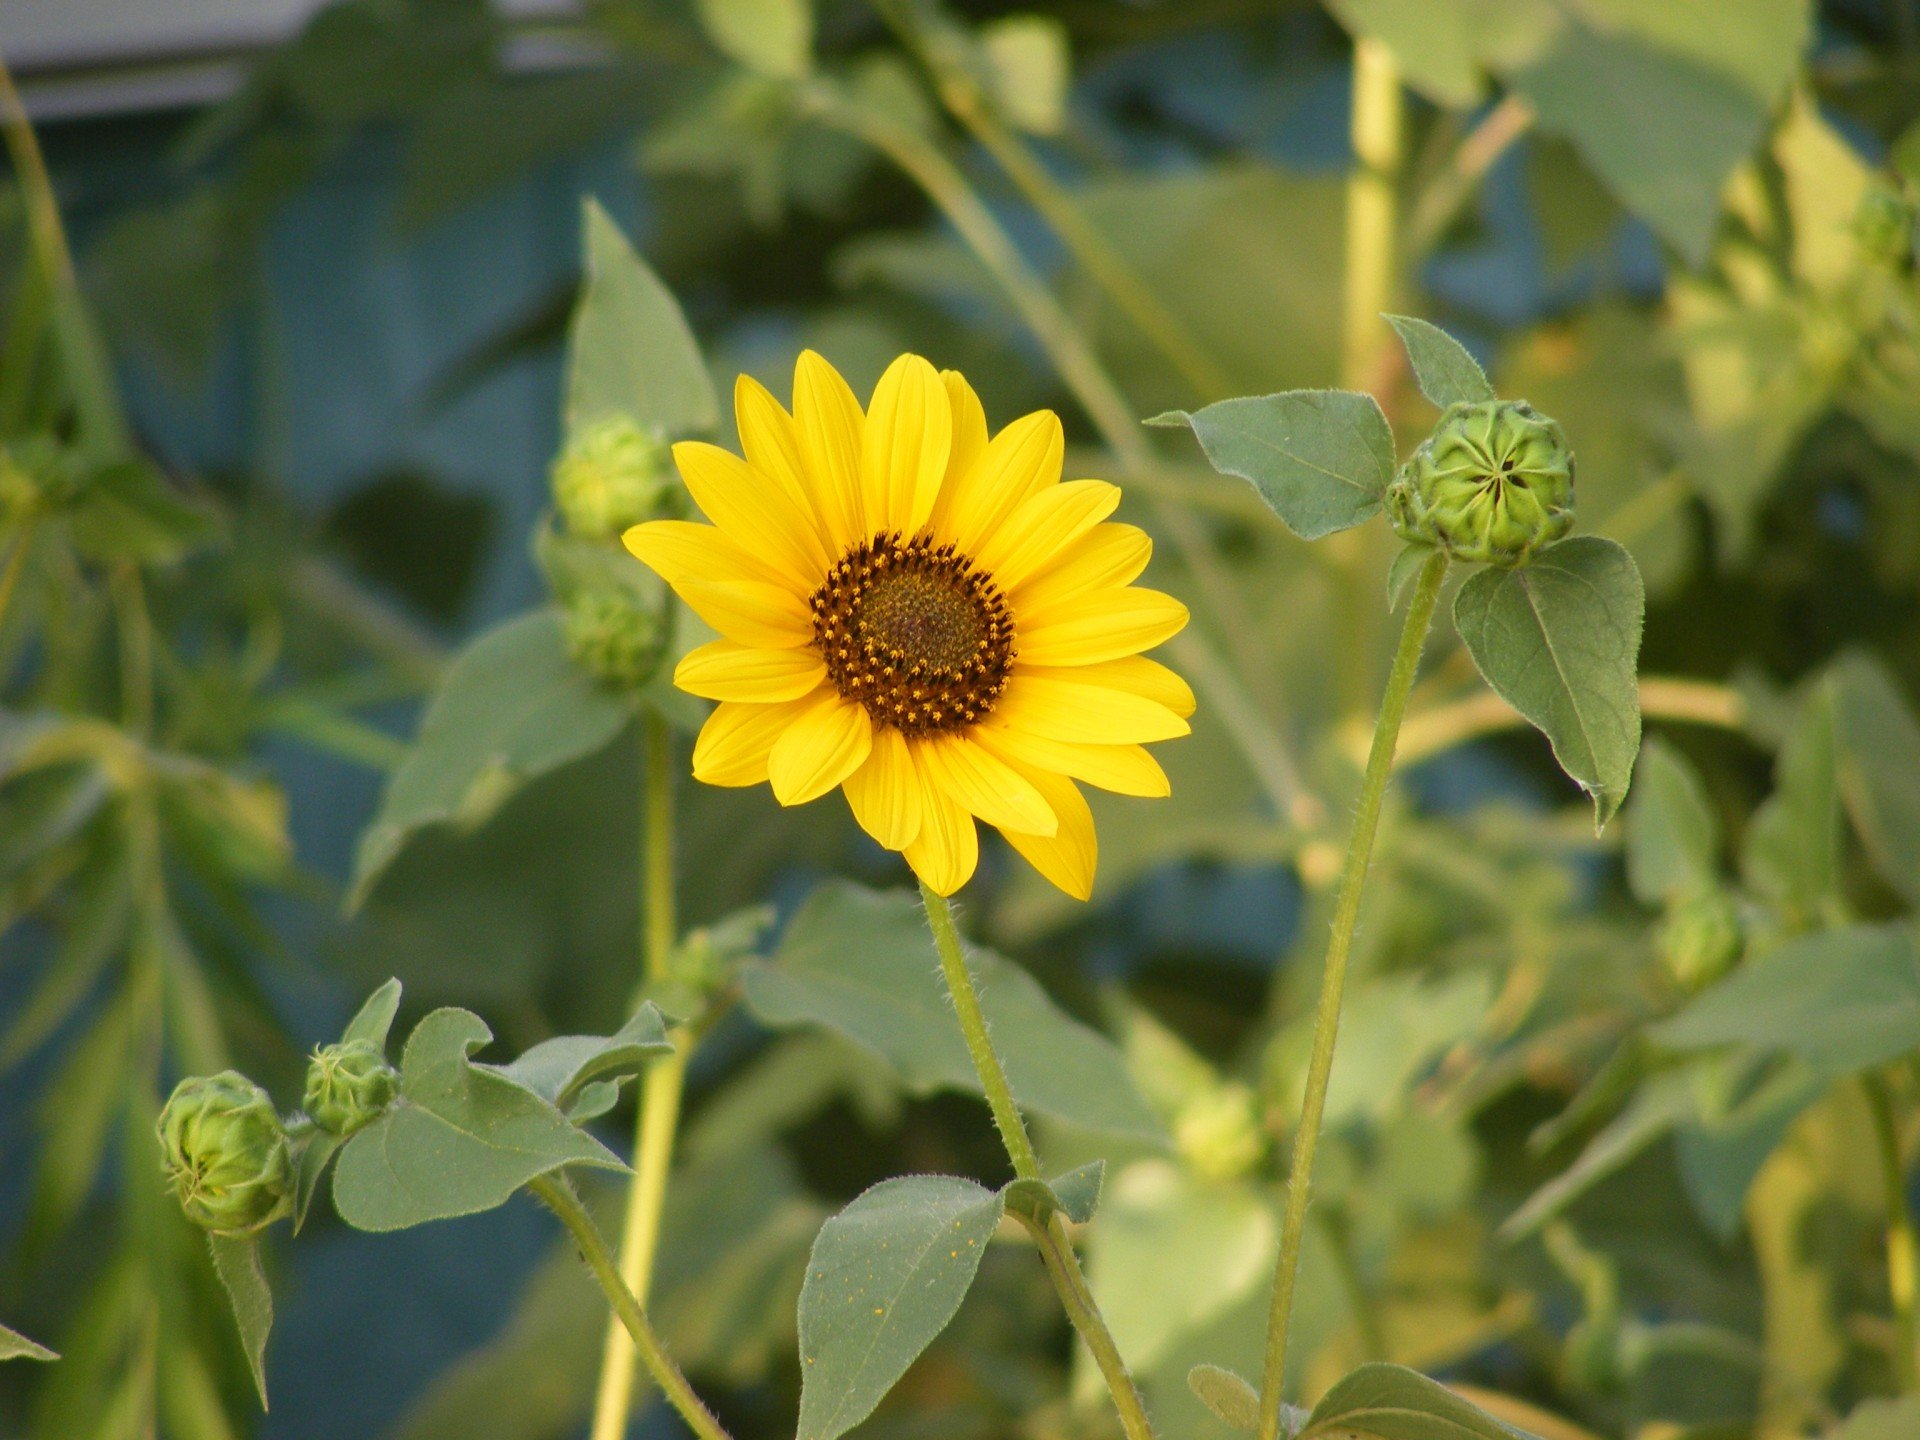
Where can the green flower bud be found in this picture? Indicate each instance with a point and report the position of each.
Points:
(349, 1085)
(1492, 483)
(1218, 1132)
(226, 1153)
(1884, 226)
(615, 638)
(613, 476)
(1701, 938)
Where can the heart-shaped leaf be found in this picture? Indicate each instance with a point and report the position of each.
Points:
(236, 1258)
(1390, 1402)
(561, 1069)
(885, 1276)
(459, 1139)
(1321, 459)
(1559, 639)
(1446, 373)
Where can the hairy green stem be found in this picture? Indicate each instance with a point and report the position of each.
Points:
(1074, 358)
(1326, 1029)
(1056, 1250)
(557, 1195)
(1903, 1249)
(660, 1089)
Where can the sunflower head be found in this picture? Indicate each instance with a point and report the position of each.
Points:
(922, 614)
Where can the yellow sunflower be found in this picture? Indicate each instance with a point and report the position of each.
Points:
(920, 614)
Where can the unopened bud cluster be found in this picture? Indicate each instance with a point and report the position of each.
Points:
(612, 477)
(1701, 938)
(349, 1085)
(226, 1153)
(1493, 483)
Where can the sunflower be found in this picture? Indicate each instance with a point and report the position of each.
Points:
(923, 615)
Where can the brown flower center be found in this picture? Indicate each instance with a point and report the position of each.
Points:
(915, 633)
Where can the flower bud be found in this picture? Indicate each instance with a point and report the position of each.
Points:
(614, 476)
(614, 637)
(1700, 938)
(226, 1153)
(349, 1085)
(1218, 1132)
(1493, 483)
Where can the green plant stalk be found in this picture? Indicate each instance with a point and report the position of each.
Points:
(1903, 1248)
(557, 1195)
(660, 1089)
(1056, 1250)
(1080, 368)
(1372, 266)
(1326, 1029)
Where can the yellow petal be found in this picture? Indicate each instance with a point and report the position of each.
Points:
(734, 743)
(1062, 709)
(1043, 526)
(771, 442)
(1068, 856)
(984, 783)
(969, 441)
(725, 670)
(885, 792)
(1135, 674)
(1020, 461)
(830, 435)
(947, 848)
(769, 616)
(1123, 769)
(753, 511)
(1105, 558)
(824, 744)
(1102, 625)
(908, 437)
(681, 550)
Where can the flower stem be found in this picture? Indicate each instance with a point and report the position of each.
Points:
(660, 1088)
(1903, 1250)
(1366, 822)
(1056, 1250)
(558, 1197)
(1371, 264)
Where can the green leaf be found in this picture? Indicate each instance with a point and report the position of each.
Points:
(1663, 101)
(773, 37)
(1390, 1402)
(511, 707)
(1877, 746)
(1842, 1000)
(1662, 1103)
(1402, 572)
(1432, 42)
(561, 1069)
(861, 962)
(1074, 1194)
(1559, 639)
(15, 1346)
(1446, 373)
(461, 1137)
(375, 1017)
(130, 511)
(1738, 1125)
(1791, 854)
(237, 1260)
(1028, 70)
(1673, 839)
(886, 1275)
(630, 350)
(1233, 1400)
(1320, 458)
(312, 1152)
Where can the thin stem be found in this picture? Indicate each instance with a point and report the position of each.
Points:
(558, 1197)
(660, 1089)
(1056, 1251)
(973, 1029)
(16, 563)
(1084, 375)
(1691, 702)
(1442, 200)
(1346, 914)
(1371, 265)
(1903, 1249)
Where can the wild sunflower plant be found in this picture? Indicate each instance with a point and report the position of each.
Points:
(898, 601)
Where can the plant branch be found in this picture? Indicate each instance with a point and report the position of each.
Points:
(1056, 1251)
(1346, 915)
(1662, 697)
(1442, 200)
(660, 1088)
(557, 1195)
